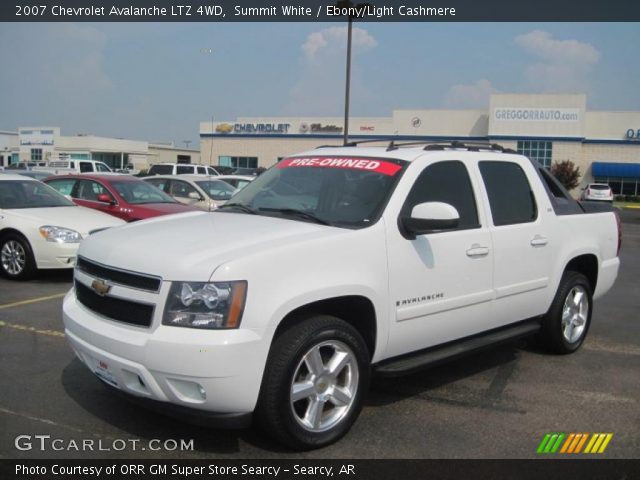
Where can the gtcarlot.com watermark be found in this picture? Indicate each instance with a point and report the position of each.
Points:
(47, 443)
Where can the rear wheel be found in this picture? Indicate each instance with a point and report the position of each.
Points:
(565, 326)
(16, 258)
(314, 383)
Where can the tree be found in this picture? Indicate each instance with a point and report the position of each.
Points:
(567, 173)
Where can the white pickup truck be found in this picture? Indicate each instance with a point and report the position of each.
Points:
(61, 167)
(332, 265)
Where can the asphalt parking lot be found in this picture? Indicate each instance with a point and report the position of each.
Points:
(498, 404)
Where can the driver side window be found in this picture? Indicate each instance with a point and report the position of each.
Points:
(446, 182)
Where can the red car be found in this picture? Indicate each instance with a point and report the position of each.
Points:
(123, 196)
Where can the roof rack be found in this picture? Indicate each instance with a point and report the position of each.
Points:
(472, 146)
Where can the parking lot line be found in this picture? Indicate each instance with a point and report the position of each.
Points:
(32, 300)
(6, 411)
(15, 326)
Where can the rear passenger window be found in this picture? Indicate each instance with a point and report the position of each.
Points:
(510, 195)
(182, 170)
(446, 182)
(202, 170)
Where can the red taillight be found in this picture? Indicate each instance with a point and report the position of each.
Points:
(619, 223)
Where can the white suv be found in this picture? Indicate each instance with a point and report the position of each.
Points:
(597, 191)
(182, 169)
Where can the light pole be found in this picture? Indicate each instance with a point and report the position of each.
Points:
(347, 82)
(349, 6)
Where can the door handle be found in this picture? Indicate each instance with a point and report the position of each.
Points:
(539, 241)
(477, 251)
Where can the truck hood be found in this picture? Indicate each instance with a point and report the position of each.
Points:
(189, 247)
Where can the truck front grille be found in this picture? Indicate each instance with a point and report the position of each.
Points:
(122, 277)
(125, 311)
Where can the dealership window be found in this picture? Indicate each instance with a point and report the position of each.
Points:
(537, 150)
(621, 186)
(184, 158)
(36, 154)
(238, 162)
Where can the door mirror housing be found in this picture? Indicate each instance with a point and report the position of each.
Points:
(430, 217)
(104, 198)
(194, 196)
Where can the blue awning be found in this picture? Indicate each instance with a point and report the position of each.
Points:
(615, 170)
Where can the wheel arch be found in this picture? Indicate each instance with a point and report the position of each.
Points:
(12, 231)
(586, 264)
(356, 310)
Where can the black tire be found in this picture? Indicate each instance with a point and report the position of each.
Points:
(282, 417)
(567, 336)
(13, 244)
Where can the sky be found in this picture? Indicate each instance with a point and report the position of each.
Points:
(157, 81)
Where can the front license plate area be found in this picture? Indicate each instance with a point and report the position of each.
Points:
(101, 370)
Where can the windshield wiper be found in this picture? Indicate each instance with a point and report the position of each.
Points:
(299, 213)
(240, 207)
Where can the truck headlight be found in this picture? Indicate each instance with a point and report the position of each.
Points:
(59, 234)
(205, 305)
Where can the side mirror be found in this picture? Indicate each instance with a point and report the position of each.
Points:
(430, 217)
(104, 198)
(194, 196)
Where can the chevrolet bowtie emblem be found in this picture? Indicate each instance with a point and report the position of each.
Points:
(100, 287)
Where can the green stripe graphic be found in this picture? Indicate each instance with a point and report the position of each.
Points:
(558, 443)
(550, 443)
(543, 443)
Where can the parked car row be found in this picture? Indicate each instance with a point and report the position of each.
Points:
(35, 236)
(122, 196)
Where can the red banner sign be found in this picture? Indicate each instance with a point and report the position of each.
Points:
(367, 164)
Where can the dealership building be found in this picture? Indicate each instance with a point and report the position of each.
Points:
(41, 144)
(549, 128)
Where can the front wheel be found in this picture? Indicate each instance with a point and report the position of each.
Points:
(565, 326)
(314, 383)
(16, 258)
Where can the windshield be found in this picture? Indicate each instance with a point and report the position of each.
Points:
(598, 186)
(30, 194)
(138, 193)
(217, 189)
(340, 191)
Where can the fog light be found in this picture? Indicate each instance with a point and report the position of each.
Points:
(186, 391)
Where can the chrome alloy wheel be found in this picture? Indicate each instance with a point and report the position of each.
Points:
(575, 313)
(13, 257)
(324, 386)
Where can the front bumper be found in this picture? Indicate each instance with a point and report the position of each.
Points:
(55, 255)
(211, 371)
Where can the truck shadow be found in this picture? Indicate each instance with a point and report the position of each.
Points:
(446, 383)
(54, 276)
(443, 384)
